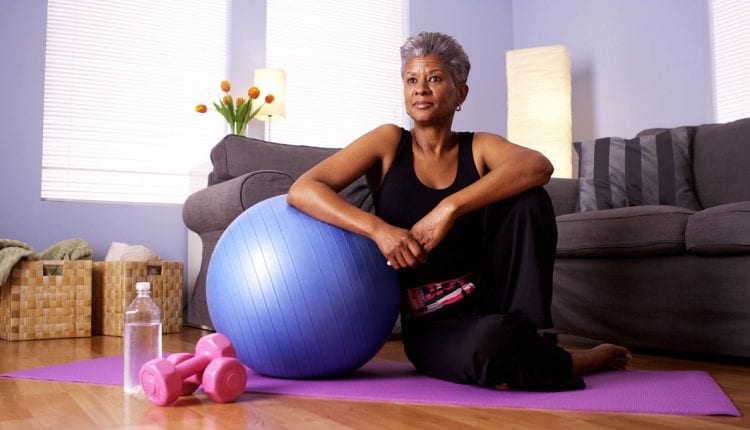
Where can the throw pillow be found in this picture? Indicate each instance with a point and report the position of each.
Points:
(647, 170)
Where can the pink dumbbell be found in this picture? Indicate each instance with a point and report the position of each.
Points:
(192, 382)
(224, 377)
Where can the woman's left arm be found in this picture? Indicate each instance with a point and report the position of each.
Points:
(506, 170)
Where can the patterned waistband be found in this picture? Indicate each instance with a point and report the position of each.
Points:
(428, 298)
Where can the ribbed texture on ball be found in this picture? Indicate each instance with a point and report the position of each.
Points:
(297, 297)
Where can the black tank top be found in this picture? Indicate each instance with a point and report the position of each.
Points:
(403, 199)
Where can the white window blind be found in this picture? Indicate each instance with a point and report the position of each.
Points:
(122, 79)
(343, 67)
(731, 45)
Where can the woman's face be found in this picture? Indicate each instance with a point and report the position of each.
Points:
(430, 95)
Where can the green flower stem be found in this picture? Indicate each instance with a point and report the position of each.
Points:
(239, 118)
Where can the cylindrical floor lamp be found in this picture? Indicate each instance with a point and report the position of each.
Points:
(539, 103)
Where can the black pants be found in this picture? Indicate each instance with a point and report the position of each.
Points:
(491, 337)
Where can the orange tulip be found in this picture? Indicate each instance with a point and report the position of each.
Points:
(201, 108)
(253, 92)
(239, 101)
(225, 86)
(227, 100)
(270, 98)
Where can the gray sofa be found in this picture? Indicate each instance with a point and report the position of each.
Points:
(663, 276)
(654, 275)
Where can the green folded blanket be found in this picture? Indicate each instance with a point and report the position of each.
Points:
(12, 251)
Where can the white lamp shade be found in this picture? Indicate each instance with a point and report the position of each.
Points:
(539, 106)
(271, 81)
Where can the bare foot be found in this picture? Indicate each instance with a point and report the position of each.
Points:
(603, 357)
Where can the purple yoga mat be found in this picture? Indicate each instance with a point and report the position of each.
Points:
(638, 391)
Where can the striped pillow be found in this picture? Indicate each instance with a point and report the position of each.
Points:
(646, 170)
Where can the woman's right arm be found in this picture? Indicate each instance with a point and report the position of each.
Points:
(316, 194)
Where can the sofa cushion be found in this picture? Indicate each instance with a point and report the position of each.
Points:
(652, 169)
(622, 232)
(237, 155)
(691, 130)
(263, 184)
(563, 192)
(723, 229)
(358, 194)
(721, 154)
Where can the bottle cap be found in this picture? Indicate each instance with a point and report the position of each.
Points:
(143, 286)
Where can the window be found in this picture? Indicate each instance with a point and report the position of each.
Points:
(731, 45)
(342, 64)
(121, 82)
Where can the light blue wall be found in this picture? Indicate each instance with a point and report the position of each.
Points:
(485, 30)
(637, 64)
(23, 216)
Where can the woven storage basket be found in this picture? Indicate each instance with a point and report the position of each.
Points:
(46, 299)
(114, 289)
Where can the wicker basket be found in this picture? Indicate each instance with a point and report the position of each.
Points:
(46, 299)
(114, 289)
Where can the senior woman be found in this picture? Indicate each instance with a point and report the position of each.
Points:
(464, 219)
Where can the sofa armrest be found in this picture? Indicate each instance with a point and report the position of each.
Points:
(563, 192)
(215, 207)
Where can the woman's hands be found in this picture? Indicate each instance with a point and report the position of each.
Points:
(399, 246)
(433, 227)
(408, 248)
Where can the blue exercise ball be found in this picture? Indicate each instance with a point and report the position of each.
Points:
(297, 297)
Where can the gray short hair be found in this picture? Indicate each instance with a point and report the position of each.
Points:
(441, 45)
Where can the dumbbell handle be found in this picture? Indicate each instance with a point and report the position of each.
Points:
(192, 366)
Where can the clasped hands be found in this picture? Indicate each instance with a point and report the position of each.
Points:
(408, 248)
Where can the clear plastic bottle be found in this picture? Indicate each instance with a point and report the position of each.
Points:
(142, 337)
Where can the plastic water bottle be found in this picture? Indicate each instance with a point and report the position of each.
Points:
(142, 337)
